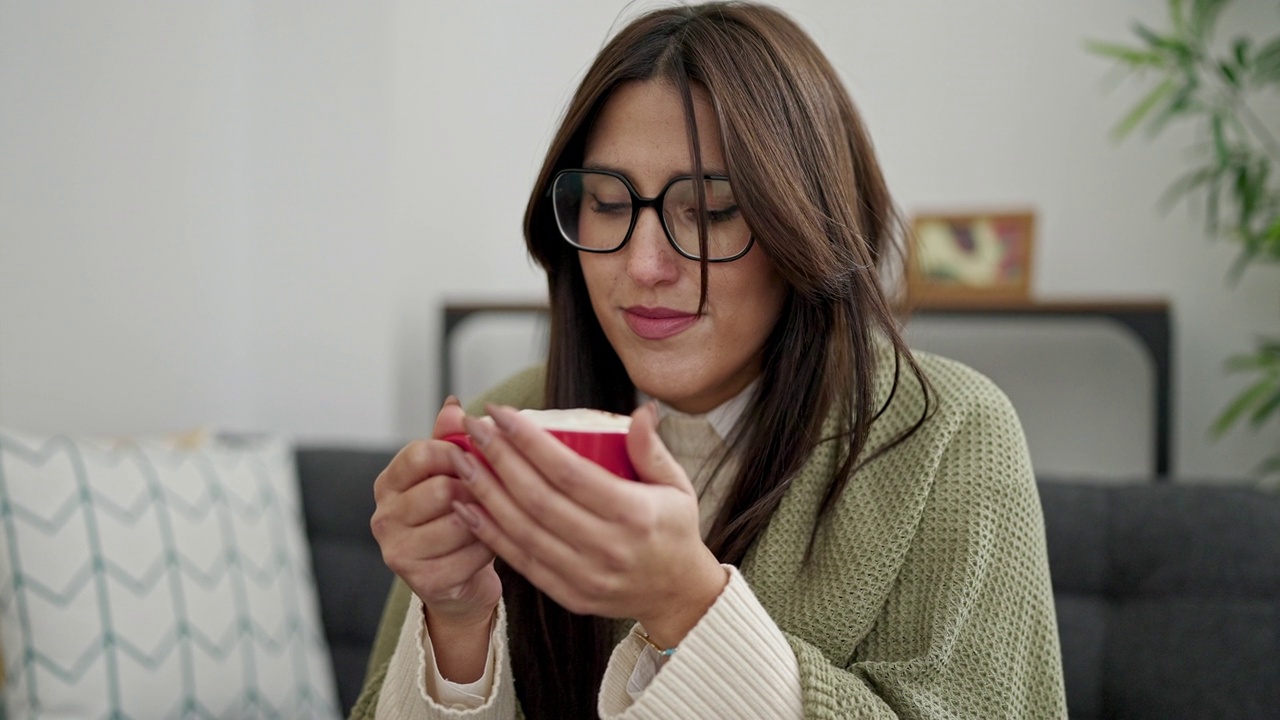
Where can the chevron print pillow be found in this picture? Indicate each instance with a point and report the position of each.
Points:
(145, 580)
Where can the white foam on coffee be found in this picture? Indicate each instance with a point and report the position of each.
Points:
(579, 419)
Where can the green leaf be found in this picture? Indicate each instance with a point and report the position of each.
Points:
(1178, 48)
(1135, 57)
(1240, 51)
(1269, 466)
(1229, 74)
(1249, 363)
(1264, 411)
(1250, 185)
(1271, 242)
(1240, 405)
(1219, 139)
(1243, 191)
(1135, 116)
(1204, 17)
(1179, 16)
(1181, 104)
(1186, 184)
(1265, 358)
(1257, 189)
(1212, 202)
(1266, 63)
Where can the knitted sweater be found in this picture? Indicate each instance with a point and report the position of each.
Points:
(927, 595)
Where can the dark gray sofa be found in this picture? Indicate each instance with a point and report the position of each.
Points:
(337, 501)
(1168, 599)
(1168, 596)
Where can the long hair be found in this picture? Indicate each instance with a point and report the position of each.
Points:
(807, 182)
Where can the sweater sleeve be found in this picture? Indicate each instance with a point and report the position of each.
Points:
(405, 692)
(734, 663)
(967, 627)
(521, 390)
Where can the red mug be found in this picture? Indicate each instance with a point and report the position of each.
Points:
(605, 447)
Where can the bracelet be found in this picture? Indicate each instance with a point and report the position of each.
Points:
(666, 653)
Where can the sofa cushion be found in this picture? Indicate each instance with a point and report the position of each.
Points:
(337, 494)
(1168, 598)
(143, 579)
(1082, 628)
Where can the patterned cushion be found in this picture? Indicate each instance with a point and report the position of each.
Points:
(146, 579)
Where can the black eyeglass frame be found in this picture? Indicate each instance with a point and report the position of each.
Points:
(639, 203)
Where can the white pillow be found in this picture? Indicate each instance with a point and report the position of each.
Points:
(151, 579)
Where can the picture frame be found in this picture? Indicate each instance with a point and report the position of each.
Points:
(972, 258)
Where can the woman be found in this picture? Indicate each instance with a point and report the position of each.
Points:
(825, 526)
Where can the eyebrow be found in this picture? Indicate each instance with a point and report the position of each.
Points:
(672, 176)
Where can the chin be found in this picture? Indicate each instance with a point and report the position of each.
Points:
(660, 387)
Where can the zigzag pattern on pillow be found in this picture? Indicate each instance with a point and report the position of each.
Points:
(150, 580)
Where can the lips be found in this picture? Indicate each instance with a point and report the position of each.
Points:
(657, 323)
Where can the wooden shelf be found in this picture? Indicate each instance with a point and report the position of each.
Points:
(1148, 320)
(1082, 306)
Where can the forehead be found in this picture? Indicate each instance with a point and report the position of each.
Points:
(642, 132)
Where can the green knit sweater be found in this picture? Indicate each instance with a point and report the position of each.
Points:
(928, 595)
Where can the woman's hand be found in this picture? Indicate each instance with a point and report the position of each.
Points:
(595, 543)
(425, 543)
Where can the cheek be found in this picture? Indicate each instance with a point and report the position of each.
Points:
(600, 272)
(595, 273)
(752, 302)
(774, 295)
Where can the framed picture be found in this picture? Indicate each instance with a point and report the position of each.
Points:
(970, 259)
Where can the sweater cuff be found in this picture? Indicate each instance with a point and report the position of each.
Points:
(405, 691)
(734, 663)
(448, 692)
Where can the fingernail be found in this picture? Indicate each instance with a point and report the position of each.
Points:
(453, 400)
(503, 417)
(465, 464)
(468, 515)
(478, 431)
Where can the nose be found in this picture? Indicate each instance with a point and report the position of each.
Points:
(650, 258)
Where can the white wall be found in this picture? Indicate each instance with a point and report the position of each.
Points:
(247, 214)
(195, 214)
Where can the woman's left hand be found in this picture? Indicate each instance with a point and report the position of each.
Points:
(593, 542)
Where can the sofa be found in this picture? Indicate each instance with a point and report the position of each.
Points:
(1168, 595)
(351, 579)
(1168, 599)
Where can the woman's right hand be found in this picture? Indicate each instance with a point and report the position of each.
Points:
(434, 552)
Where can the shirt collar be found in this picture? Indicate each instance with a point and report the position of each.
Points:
(722, 419)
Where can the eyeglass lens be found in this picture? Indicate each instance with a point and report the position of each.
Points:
(594, 212)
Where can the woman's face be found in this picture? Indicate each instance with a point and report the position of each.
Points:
(646, 294)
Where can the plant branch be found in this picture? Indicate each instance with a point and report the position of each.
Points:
(1260, 130)
(1236, 99)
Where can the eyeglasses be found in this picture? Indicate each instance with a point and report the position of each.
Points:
(596, 211)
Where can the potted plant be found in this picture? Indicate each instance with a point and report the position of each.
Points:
(1237, 167)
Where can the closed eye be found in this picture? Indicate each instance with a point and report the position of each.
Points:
(609, 208)
(725, 215)
(721, 215)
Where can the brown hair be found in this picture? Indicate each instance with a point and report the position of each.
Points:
(808, 184)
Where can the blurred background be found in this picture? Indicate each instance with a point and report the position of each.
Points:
(248, 215)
